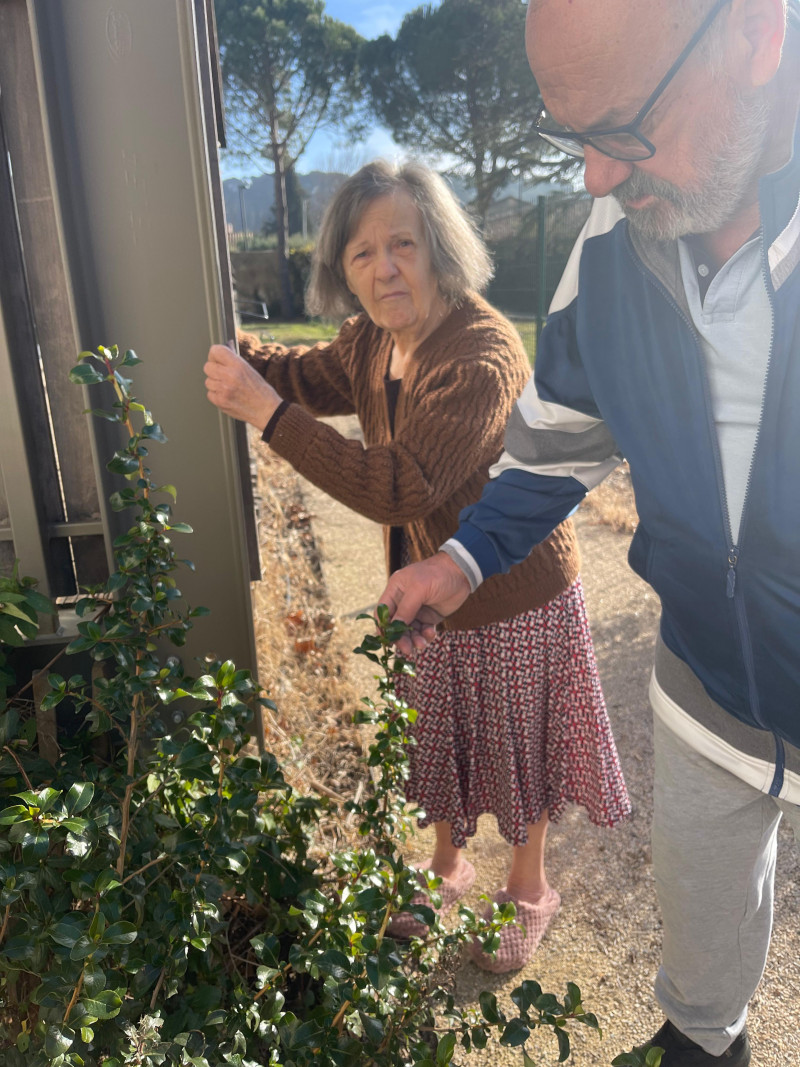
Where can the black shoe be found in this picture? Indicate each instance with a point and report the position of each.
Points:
(681, 1051)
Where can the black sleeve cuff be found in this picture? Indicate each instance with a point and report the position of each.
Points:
(269, 429)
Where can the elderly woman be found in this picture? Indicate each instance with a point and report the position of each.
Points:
(511, 716)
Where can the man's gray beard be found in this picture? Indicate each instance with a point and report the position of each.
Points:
(723, 179)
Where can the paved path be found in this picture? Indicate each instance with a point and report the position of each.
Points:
(607, 935)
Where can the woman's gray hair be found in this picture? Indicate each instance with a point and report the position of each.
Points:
(459, 258)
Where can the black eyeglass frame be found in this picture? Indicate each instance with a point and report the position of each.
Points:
(558, 137)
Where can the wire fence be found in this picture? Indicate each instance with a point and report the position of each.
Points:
(530, 244)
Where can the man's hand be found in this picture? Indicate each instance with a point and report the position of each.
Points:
(237, 389)
(422, 595)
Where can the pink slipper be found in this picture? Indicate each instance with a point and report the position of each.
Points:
(404, 925)
(518, 940)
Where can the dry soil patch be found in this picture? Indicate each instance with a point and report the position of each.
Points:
(607, 935)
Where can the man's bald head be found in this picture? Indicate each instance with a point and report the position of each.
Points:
(609, 51)
(711, 128)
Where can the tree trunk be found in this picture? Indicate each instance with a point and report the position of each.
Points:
(483, 195)
(483, 199)
(282, 224)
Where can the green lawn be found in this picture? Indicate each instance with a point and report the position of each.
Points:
(293, 333)
(526, 328)
(309, 333)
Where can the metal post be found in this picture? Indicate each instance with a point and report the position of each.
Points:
(541, 308)
(243, 184)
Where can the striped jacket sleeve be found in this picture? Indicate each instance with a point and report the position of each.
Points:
(557, 446)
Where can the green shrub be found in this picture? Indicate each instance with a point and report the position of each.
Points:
(20, 607)
(165, 899)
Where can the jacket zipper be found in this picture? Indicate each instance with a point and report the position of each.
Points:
(733, 552)
(768, 286)
(780, 754)
(733, 557)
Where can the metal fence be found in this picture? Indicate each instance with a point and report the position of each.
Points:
(530, 244)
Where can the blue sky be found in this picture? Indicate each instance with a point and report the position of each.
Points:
(370, 19)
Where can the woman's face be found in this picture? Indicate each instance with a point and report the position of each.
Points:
(387, 266)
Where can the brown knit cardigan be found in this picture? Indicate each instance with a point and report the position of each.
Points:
(457, 394)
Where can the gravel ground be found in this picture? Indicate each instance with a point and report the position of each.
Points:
(607, 935)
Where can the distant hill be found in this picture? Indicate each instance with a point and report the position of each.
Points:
(319, 186)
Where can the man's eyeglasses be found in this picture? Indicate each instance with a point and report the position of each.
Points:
(626, 142)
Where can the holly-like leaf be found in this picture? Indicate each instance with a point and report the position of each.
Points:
(82, 948)
(122, 463)
(104, 1006)
(515, 1033)
(58, 1040)
(121, 933)
(106, 880)
(154, 432)
(488, 1003)
(14, 813)
(85, 374)
(35, 845)
(563, 1044)
(335, 964)
(79, 797)
(69, 930)
(445, 1049)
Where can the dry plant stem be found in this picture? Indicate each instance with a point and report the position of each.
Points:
(75, 994)
(144, 803)
(133, 737)
(126, 801)
(338, 1019)
(268, 988)
(157, 989)
(388, 915)
(38, 674)
(149, 885)
(19, 765)
(5, 923)
(95, 704)
(158, 859)
(221, 775)
(273, 725)
(160, 874)
(233, 957)
(316, 784)
(370, 1062)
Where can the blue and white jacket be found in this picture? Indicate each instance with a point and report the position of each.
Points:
(620, 373)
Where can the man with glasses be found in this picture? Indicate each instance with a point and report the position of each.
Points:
(674, 341)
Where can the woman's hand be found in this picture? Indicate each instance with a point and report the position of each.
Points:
(237, 389)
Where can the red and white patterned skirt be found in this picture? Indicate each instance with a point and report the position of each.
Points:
(512, 721)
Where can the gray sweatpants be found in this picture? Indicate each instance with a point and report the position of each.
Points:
(714, 844)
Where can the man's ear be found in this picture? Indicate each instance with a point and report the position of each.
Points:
(759, 27)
